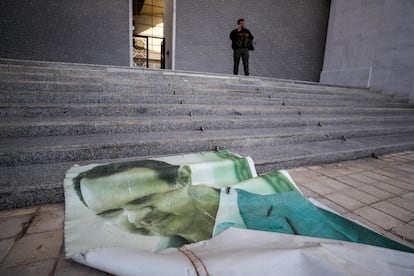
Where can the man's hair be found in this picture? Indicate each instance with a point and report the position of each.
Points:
(238, 21)
(165, 171)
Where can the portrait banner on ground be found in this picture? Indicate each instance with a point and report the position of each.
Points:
(159, 204)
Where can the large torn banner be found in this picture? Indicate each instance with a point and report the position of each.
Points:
(159, 215)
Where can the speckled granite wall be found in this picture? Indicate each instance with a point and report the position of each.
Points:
(67, 30)
(371, 44)
(168, 31)
(289, 35)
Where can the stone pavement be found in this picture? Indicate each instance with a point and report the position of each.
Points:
(379, 193)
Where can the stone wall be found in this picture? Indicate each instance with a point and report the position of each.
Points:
(80, 31)
(289, 34)
(168, 32)
(371, 44)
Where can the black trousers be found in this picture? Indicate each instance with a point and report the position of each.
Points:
(242, 53)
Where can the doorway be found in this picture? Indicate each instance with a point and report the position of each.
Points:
(148, 35)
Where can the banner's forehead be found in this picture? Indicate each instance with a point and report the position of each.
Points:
(113, 191)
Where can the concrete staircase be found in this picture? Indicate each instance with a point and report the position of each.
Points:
(54, 115)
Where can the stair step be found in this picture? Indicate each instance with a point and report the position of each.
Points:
(270, 158)
(110, 125)
(40, 100)
(103, 93)
(22, 151)
(179, 108)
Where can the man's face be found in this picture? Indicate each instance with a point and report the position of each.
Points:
(139, 201)
(188, 212)
(241, 24)
(165, 214)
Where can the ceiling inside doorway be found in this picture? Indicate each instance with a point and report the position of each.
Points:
(148, 17)
(148, 7)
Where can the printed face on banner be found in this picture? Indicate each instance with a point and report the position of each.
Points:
(150, 198)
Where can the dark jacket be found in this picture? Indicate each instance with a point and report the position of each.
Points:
(242, 39)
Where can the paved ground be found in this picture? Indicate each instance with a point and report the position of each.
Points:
(377, 192)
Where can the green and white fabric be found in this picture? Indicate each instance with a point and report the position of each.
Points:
(167, 210)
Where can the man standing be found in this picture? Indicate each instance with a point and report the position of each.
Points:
(241, 43)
